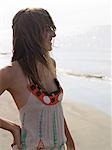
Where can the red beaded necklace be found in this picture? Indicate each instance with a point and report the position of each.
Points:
(45, 97)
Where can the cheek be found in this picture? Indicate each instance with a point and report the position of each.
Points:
(45, 35)
(45, 39)
(46, 45)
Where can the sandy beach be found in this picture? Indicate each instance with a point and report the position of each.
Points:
(90, 128)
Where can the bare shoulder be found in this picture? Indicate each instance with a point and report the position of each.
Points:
(6, 76)
(6, 72)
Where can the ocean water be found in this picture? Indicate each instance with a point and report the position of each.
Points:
(83, 66)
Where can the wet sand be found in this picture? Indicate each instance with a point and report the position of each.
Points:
(90, 128)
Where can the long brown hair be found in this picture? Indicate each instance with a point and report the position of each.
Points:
(28, 28)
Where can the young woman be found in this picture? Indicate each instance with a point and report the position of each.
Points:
(32, 82)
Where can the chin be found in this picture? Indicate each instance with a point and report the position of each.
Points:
(49, 49)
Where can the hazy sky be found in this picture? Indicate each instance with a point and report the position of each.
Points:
(67, 13)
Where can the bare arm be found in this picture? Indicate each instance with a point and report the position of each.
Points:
(5, 84)
(70, 143)
(14, 129)
(7, 125)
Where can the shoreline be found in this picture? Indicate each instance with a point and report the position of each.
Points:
(89, 127)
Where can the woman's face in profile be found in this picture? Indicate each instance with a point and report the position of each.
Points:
(49, 34)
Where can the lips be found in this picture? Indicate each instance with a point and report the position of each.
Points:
(50, 41)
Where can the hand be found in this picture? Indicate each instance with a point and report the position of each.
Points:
(70, 144)
(16, 132)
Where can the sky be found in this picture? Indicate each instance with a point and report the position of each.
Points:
(68, 15)
(64, 12)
